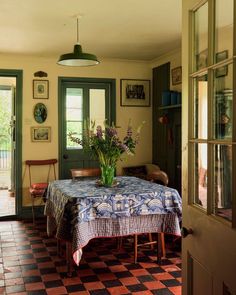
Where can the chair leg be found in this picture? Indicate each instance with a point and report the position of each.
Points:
(135, 248)
(163, 246)
(119, 243)
(151, 240)
(32, 198)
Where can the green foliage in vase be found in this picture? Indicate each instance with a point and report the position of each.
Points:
(105, 144)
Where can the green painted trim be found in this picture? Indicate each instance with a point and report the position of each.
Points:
(18, 74)
(61, 107)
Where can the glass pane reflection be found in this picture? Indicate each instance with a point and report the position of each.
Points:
(200, 175)
(224, 29)
(223, 181)
(201, 37)
(223, 102)
(200, 107)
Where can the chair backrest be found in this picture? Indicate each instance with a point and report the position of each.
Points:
(85, 172)
(159, 177)
(48, 162)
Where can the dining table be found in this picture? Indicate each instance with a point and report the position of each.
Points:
(80, 210)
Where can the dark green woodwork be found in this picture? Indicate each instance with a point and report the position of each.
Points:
(76, 158)
(166, 153)
(18, 74)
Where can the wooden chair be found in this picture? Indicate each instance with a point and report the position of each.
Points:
(152, 173)
(162, 177)
(37, 189)
(85, 172)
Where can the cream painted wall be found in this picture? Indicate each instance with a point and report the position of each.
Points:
(116, 69)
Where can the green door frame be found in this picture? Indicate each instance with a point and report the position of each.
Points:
(61, 80)
(18, 74)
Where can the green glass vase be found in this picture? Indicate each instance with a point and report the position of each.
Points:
(107, 175)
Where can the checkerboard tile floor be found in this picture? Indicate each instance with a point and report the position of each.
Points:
(29, 265)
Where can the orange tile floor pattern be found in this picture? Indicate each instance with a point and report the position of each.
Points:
(29, 265)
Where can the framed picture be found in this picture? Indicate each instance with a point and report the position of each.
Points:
(40, 113)
(134, 93)
(40, 89)
(222, 71)
(41, 134)
(201, 59)
(176, 74)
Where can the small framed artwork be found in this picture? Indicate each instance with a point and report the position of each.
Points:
(176, 74)
(40, 113)
(222, 71)
(41, 134)
(201, 59)
(40, 89)
(134, 93)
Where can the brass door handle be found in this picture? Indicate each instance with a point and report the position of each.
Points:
(186, 231)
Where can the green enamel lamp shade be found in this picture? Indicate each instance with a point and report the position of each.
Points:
(78, 58)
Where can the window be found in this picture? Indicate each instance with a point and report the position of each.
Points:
(211, 135)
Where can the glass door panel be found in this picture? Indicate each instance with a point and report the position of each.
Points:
(74, 115)
(223, 181)
(223, 29)
(200, 175)
(223, 102)
(200, 107)
(201, 37)
(97, 102)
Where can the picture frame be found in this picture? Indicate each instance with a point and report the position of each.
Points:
(176, 74)
(40, 89)
(134, 93)
(40, 134)
(222, 71)
(40, 113)
(201, 59)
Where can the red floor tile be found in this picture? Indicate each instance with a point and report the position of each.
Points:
(94, 286)
(118, 290)
(30, 264)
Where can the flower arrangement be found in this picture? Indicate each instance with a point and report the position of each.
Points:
(105, 145)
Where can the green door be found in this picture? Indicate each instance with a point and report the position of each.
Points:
(80, 100)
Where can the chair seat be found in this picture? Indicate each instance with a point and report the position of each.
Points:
(39, 185)
(39, 189)
(37, 192)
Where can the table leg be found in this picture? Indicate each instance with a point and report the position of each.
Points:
(159, 248)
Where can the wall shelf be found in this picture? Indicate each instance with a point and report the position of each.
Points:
(173, 106)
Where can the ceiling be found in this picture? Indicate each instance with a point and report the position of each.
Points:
(123, 29)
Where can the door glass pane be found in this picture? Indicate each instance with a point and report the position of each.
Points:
(224, 29)
(97, 105)
(223, 181)
(200, 174)
(201, 37)
(74, 115)
(223, 102)
(200, 107)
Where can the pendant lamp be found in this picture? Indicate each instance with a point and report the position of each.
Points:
(78, 58)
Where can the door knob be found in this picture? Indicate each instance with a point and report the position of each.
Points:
(186, 231)
(65, 156)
